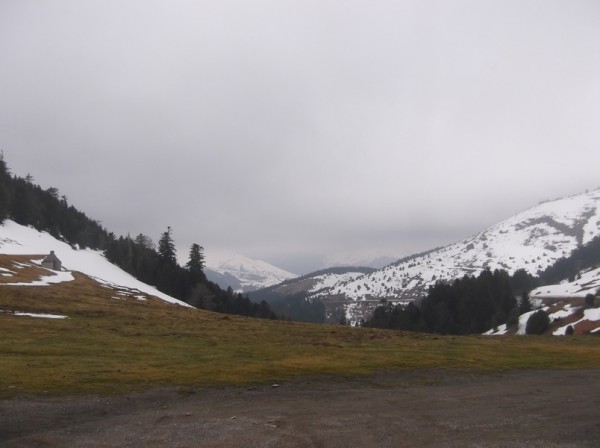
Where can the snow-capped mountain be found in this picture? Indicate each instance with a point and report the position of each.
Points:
(245, 274)
(16, 239)
(532, 240)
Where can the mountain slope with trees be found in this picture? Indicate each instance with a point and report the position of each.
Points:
(476, 304)
(306, 298)
(531, 241)
(27, 204)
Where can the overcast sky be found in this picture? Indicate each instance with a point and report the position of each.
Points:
(300, 131)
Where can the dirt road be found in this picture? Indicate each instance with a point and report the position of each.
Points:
(418, 409)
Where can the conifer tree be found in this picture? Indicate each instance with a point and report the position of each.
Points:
(144, 241)
(525, 305)
(4, 180)
(195, 263)
(537, 323)
(166, 247)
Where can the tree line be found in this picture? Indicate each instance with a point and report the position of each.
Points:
(297, 306)
(466, 305)
(477, 304)
(569, 268)
(46, 210)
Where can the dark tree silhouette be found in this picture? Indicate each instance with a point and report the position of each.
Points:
(166, 247)
(195, 264)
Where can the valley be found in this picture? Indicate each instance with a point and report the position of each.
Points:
(113, 342)
(92, 356)
(299, 224)
(124, 368)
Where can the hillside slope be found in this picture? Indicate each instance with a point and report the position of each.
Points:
(16, 239)
(532, 240)
(102, 340)
(588, 282)
(315, 286)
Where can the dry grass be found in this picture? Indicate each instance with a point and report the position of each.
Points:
(110, 345)
(21, 268)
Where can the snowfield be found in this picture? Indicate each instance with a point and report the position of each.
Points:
(16, 239)
(331, 280)
(55, 277)
(589, 283)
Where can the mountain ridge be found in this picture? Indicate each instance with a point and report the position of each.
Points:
(533, 240)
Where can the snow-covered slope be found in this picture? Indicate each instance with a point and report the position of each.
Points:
(319, 283)
(325, 282)
(250, 274)
(315, 285)
(16, 239)
(588, 283)
(562, 314)
(532, 240)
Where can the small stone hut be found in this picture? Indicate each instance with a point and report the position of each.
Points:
(52, 262)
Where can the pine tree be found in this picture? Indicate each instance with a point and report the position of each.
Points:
(144, 241)
(195, 264)
(589, 300)
(525, 304)
(537, 323)
(4, 180)
(166, 247)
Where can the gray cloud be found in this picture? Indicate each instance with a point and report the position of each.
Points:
(292, 130)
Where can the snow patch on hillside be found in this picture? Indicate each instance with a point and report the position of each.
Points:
(55, 277)
(40, 315)
(589, 283)
(332, 280)
(589, 315)
(566, 312)
(16, 239)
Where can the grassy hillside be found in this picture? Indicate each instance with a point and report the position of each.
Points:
(117, 341)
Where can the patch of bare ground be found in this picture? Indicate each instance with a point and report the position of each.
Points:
(586, 327)
(535, 408)
(21, 268)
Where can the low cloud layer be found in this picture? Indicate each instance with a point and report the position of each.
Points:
(295, 131)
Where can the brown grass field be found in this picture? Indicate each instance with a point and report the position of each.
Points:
(113, 343)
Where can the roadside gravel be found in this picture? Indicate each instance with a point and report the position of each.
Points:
(410, 409)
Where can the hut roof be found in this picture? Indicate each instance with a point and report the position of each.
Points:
(51, 258)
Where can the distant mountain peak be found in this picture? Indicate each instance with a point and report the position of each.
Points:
(244, 273)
